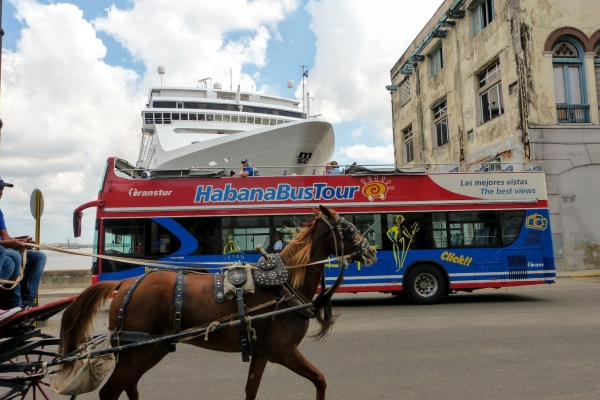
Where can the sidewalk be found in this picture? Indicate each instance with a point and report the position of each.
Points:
(63, 290)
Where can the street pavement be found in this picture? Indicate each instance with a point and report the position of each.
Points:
(531, 342)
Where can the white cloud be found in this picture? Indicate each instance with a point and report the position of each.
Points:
(187, 36)
(356, 133)
(358, 42)
(363, 154)
(64, 112)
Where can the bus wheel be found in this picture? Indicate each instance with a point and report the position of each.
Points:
(424, 284)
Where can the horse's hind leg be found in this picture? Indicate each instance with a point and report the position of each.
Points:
(126, 373)
(157, 355)
(257, 367)
(296, 362)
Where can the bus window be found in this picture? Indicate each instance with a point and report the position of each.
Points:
(162, 242)
(289, 226)
(440, 233)
(247, 232)
(474, 228)
(122, 240)
(206, 231)
(421, 231)
(368, 225)
(511, 223)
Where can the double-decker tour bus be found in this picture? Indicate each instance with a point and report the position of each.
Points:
(435, 233)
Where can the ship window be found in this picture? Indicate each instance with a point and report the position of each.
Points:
(149, 119)
(192, 117)
(265, 121)
(234, 118)
(184, 117)
(167, 118)
(210, 117)
(257, 121)
(250, 120)
(242, 120)
(180, 104)
(163, 104)
(226, 118)
(279, 122)
(201, 117)
(218, 117)
(272, 121)
(175, 116)
(285, 121)
(158, 118)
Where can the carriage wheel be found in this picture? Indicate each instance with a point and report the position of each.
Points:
(35, 386)
(424, 284)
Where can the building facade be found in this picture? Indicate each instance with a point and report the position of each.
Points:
(491, 85)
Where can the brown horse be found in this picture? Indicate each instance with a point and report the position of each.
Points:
(151, 310)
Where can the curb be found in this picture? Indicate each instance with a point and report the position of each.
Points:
(590, 275)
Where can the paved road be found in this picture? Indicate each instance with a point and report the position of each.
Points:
(539, 342)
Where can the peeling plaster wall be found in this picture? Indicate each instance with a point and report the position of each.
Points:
(572, 163)
(465, 57)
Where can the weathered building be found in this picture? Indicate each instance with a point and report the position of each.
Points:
(505, 85)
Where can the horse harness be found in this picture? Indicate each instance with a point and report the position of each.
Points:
(270, 272)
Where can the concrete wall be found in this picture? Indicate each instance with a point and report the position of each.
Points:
(572, 164)
(67, 277)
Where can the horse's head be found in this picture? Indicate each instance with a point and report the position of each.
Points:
(346, 240)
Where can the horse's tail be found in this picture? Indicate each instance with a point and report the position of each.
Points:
(323, 312)
(77, 320)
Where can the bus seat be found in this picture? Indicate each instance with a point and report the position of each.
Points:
(481, 236)
(458, 239)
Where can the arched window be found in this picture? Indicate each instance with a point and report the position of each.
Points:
(569, 81)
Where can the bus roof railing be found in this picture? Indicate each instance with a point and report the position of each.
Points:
(348, 169)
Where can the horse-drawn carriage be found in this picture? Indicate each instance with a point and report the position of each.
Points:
(151, 314)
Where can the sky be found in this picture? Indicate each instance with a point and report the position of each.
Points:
(75, 76)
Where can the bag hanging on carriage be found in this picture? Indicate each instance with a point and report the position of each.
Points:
(85, 375)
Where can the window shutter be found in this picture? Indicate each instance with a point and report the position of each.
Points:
(598, 83)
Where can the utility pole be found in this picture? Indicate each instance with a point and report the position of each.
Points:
(1, 35)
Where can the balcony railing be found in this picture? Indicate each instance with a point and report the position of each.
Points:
(573, 113)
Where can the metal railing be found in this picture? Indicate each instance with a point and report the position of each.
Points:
(572, 113)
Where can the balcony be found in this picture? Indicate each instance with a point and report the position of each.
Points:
(573, 113)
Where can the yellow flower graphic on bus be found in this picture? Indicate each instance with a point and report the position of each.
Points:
(536, 221)
(376, 188)
(402, 238)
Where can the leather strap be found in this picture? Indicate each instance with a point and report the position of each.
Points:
(125, 301)
(178, 300)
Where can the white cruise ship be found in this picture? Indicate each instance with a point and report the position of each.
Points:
(215, 128)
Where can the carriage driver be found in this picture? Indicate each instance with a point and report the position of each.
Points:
(24, 293)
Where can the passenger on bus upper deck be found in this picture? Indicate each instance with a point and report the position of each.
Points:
(247, 169)
(331, 168)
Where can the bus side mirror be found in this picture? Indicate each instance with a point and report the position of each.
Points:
(77, 215)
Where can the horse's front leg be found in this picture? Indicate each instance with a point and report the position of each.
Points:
(257, 367)
(296, 362)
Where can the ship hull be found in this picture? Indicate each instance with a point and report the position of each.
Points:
(301, 147)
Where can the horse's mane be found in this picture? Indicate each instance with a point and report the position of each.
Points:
(298, 253)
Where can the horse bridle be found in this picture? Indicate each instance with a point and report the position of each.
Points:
(348, 231)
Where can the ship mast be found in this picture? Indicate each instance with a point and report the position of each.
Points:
(305, 108)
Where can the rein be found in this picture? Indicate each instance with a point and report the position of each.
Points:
(169, 265)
